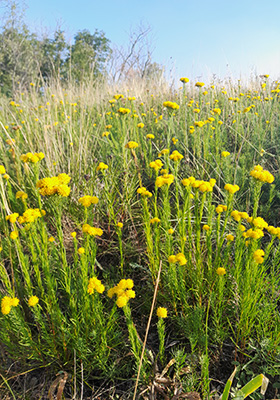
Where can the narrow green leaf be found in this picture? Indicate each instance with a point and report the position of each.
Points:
(228, 386)
(251, 386)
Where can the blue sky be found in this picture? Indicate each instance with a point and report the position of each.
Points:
(192, 38)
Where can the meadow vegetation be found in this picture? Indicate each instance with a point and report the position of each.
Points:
(108, 192)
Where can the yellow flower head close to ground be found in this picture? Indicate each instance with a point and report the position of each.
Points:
(162, 312)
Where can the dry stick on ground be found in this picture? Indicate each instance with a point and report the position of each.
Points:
(147, 331)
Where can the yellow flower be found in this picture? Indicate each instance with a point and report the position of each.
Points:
(101, 165)
(199, 84)
(73, 234)
(120, 225)
(162, 312)
(220, 271)
(176, 156)
(81, 250)
(124, 111)
(180, 258)
(150, 136)
(154, 220)
(258, 256)
(12, 217)
(174, 140)
(95, 284)
(170, 231)
(104, 134)
(261, 175)
(157, 164)
(225, 154)
(184, 80)
(51, 239)
(87, 200)
(122, 301)
(170, 104)
(21, 195)
(144, 192)
(14, 235)
(140, 125)
(230, 238)
(2, 170)
(165, 179)
(206, 227)
(91, 230)
(33, 301)
(231, 188)
(131, 145)
(217, 111)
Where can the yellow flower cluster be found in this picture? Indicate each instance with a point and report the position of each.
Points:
(124, 292)
(206, 227)
(176, 156)
(261, 175)
(87, 200)
(12, 217)
(253, 234)
(180, 258)
(91, 230)
(162, 312)
(274, 231)
(30, 215)
(154, 220)
(2, 170)
(156, 165)
(230, 238)
(217, 111)
(7, 303)
(238, 216)
(258, 222)
(162, 152)
(184, 80)
(14, 235)
(21, 195)
(102, 165)
(202, 186)
(124, 111)
(225, 154)
(118, 96)
(232, 188)
(33, 301)
(258, 256)
(199, 84)
(144, 192)
(150, 136)
(172, 105)
(95, 284)
(221, 208)
(220, 271)
(30, 157)
(131, 145)
(140, 125)
(165, 179)
(55, 185)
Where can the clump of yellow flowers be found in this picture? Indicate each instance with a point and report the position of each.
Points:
(176, 156)
(131, 145)
(231, 188)
(7, 303)
(33, 158)
(54, 185)
(180, 258)
(144, 192)
(262, 175)
(165, 179)
(156, 165)
(172, 105)
(87, 201)
(91, 230)
(162, 312)
(124, 292)
(95, 284)
(202, 186)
